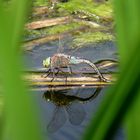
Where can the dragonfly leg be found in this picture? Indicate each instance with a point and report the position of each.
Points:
(64, 74)
(46, 75)
(104, 79)
(60, 70)
(53, 74)
(57, 71)
(70, 70)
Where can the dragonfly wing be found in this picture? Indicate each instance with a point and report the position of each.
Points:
(76, 113)
(58, 120)
(60, 46)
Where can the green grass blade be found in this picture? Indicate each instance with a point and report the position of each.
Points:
(122, 95)
(115, 106)
(21, 122)
(19, 15)
(132, 122)
(128, 21)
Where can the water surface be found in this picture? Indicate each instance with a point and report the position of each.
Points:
(58, 122)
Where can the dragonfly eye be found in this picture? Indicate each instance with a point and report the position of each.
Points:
(46, 62)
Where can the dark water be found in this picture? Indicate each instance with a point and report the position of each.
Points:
(69, 131)
(65, 117)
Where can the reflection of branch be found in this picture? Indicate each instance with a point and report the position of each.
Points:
(62, 95)
(93, 96)
(64, 87)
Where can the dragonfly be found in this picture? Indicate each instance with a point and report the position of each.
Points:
(61, 60)
(67, 104)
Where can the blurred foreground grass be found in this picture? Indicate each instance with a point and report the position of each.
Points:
(122, 105)
(19, 119)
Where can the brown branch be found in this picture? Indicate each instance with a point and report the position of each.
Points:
(37, 80)
(48, 22)
(60, 20)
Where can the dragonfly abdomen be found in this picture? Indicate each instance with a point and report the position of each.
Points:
(76, 60)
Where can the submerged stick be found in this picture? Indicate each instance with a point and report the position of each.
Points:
(37, 80)
(65, 87)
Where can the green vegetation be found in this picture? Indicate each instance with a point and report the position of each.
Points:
(101, 9)
(80, 38)
(90, 38)
(85, 10)
(51, 30)
(62, 28)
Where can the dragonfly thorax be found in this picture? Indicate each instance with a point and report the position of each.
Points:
(60, 60)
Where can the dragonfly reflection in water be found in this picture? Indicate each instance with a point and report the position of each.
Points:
(71, 104)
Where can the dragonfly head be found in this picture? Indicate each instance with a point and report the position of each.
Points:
(47, 62)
